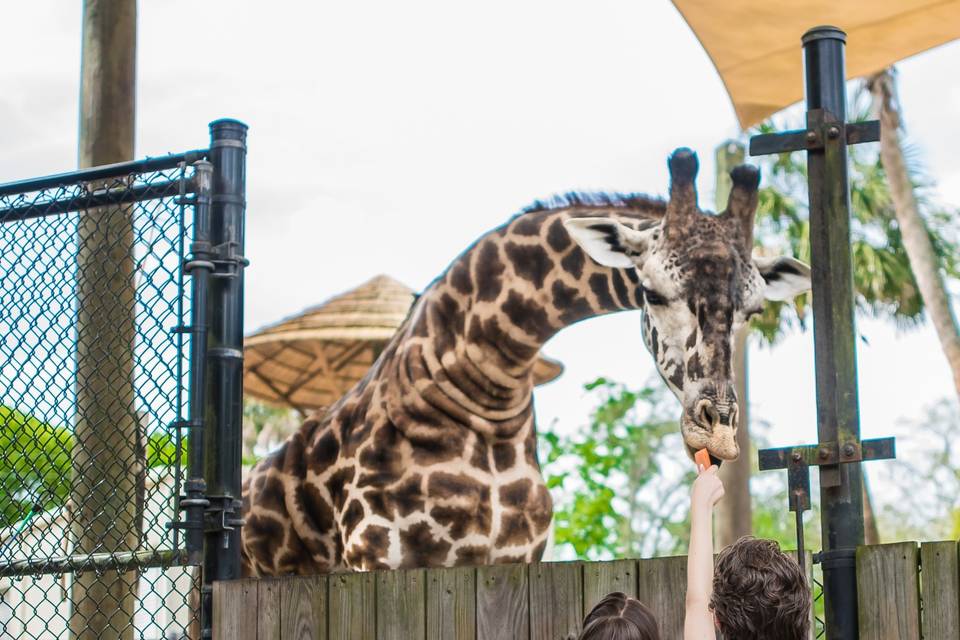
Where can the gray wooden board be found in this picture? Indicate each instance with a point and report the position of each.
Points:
(353, 612)
(401, 605)
(235, 610)
(940, 590)
(502, 608)
(888, 591)
(662, 586)
(601, 578)
(303, 608)
(268, 608)
(452, 604)
(556, 600)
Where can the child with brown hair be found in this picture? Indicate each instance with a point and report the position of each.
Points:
(757, 591)
(619, 617)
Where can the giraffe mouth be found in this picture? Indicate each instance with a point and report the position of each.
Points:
(714, 460)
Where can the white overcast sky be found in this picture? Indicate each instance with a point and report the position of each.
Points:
(385, 136)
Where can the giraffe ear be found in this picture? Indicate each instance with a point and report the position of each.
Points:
(607, 241)
(786, 277)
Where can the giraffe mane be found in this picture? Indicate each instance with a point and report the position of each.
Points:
(596, 200)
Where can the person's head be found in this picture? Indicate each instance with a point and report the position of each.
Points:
(619, 617)
(759, 592)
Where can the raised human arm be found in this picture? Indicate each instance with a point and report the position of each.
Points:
(698, 620)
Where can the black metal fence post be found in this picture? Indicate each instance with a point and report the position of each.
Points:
(834, 336)
(224, 397)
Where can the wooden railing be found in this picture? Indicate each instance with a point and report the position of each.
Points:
(547, 601)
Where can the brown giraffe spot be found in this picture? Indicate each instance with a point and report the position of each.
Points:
(540, 509)
(654, 343)
(462, 521)
(519, 559)
(538, 551)
(694, 367)
(526, 226)
(504, 455)
(692, 339)
(270, 497)
(530, 450)
(266, 536)
(677, 377)
(557, 236)
(570, 303)
(510, 349)
(447, 485)
(374, 543)
(380, 461)
(460, 276)
(351, 517)
(376, 499)
(527, 315)
(471, 556)
(514, 495)
(480, 457)
(420, 548)
(600, 286)
(572, 263)
(530, 262)
(489, 272)
(313, 508)
(620, 287)
(448, 323)
(514, 529)
(407, 497)
(324, 452)
(336, 485)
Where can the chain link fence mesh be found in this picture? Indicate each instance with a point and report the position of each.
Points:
(93, 364)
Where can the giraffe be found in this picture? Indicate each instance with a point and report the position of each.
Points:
(431, 459)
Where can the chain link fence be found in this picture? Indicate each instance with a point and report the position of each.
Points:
(96, 332)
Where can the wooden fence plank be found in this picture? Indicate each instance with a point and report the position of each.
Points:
(353, 607)
(556, 600)
(503, 612)
(662, 586)
(268, 608)
(940, 590)
(601, 578)
(401, 605)
(303, 608)
(235, 610)
(888, 591)
(452, 604)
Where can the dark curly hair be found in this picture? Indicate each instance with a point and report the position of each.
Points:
(759, 592)
(619, 617)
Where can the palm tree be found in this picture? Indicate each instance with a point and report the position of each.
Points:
(920, 246)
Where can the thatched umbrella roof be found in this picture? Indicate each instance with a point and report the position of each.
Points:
(311, 359)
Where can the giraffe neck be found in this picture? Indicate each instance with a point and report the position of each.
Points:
(473, 339)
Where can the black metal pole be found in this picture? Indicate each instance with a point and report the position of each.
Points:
(838, 418)
(224, 398)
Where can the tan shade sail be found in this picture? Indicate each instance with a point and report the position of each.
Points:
(755, 46)
(310, 360)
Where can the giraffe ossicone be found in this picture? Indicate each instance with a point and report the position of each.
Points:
(431, 459)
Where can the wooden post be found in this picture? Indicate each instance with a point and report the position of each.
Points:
(105, 453)
(735, 513)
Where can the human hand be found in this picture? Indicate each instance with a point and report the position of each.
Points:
(707, 489)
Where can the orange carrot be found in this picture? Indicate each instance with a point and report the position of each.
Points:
(702, 458)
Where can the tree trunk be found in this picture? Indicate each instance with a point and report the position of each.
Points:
(106, 462)
(735, 513)
(916, 239)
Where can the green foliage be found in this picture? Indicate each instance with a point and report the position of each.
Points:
(883, 279)
(35, 463)
(617, 485)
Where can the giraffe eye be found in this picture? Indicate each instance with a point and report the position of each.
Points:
(653, 297)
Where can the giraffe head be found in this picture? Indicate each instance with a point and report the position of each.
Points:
(700, 284)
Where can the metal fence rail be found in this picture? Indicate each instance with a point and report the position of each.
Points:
(103, 305)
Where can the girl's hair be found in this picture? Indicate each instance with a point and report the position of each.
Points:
(620, 617)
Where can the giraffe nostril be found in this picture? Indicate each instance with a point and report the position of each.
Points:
(708, 415)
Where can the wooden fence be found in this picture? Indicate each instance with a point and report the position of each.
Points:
(547, 601)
